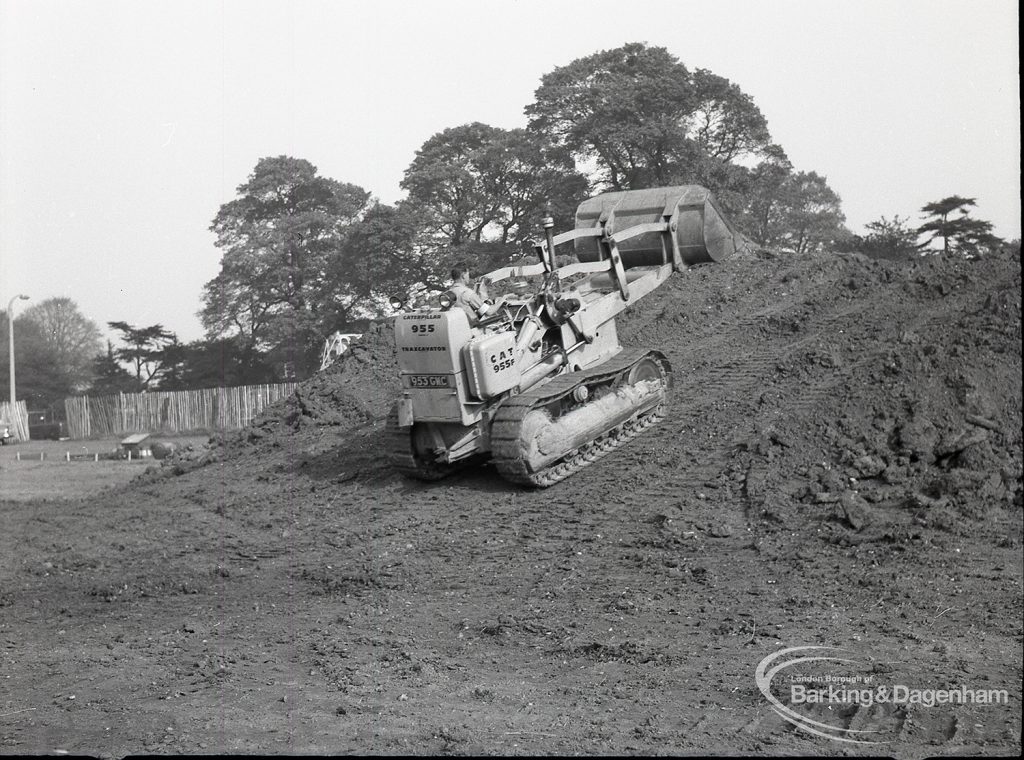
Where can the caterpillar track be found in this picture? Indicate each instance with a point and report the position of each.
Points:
(514, 438)
(404, 458)
(409, 458)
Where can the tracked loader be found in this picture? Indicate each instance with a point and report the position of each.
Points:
(542, 387)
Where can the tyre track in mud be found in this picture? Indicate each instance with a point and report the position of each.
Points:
(734, 384)
(730, 387)
(621, 596)
(632, 548)
(622, 610)
(549, 548)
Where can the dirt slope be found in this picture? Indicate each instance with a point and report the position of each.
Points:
(841, 467)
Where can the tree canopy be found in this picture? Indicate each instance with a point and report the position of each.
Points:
(54, 347)
(480, 193)
(277, 238)
(304, 255)
(790, 210)
(110, 376)
(73, 338)
(38, 378)
(640, 118)
(221, 362)
(150, 351)
(961, 234)
(890, 239)
(643, 119)
(476, 183)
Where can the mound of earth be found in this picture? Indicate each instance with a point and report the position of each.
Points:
(888, 381)
(360, 387)
(840, 466)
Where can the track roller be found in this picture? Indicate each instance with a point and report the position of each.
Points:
(543, 436)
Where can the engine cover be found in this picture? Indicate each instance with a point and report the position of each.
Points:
(431, 342)
(491, 364)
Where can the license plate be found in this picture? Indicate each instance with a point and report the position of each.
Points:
(430, 381)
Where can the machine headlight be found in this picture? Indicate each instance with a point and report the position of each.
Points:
(396, 302)
(446, 300)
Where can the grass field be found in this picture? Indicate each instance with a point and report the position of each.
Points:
(45, 473)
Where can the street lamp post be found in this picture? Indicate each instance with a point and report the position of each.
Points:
(10, 340)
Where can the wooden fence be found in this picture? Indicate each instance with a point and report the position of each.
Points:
(169, 412)
(17, 419)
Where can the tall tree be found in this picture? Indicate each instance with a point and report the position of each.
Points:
(643, 119)
(74, 339)
(379, 256)
(795, 211)
(726, 123)
(216, 363)
(150, 351)
(961, 233)
(276, 238)
(110, 376)
(476, 184)
(530, 179)
(445, 178)
(762, 212)
(479, 193)
(813, 215)
(39, 380)
(939, 225)
(624, 110)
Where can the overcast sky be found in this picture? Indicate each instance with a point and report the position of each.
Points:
(125, 125)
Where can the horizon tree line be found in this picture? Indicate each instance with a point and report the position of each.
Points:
(303, 255)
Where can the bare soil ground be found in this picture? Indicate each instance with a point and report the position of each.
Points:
(841, 467)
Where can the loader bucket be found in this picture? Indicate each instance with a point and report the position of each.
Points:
(702, 232)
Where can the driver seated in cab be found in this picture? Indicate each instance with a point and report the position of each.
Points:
(465, 296)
